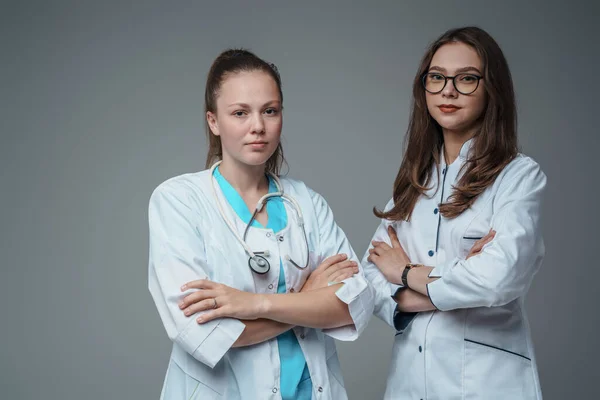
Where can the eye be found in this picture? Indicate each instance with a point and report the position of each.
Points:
(271, 111)
(436, 77)
(239, 113)
(467, 78)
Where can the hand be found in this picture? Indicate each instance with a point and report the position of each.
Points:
(390, 260)
(219, 301)
(332, 269)
(478, 246)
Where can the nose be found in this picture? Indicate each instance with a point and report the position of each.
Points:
(258, 125)
(449, 89)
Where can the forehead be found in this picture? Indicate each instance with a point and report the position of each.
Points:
(248, 86)
(453, 56)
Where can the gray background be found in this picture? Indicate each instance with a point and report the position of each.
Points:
(100, 103)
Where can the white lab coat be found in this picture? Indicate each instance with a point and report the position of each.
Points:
(189, 240)
(477, 345)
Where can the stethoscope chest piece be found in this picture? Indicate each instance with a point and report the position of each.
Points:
(257, 261)
(259, 264)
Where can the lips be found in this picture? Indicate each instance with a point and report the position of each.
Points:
(257, 145)
(448, 108)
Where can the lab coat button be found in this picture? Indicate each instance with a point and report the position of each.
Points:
(268, 234)
(431, 253)
(274, 390)
(444, 171)
(292, 290)
(420, 349)
(435, 211)
(271, 286)
(320, 389)
(302, 336)
(280, 238)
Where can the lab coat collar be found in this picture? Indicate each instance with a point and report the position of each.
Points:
(462, 154)
(465, 148)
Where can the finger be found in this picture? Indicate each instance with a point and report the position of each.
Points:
(473, 254)
(376, 250)
(373, 258)
(341, 264)
(330, 261)
(195, 297)
(492, 234)
(207, 304)
(343, 274)
(213, 314)
(339, 267)
(393, 237)
(489, 236)
(382, 245)
(199, 284)
(486, 240)
(476, 247)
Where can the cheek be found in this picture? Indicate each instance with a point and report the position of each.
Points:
(274, 126)
(231, 131)
(477, 106)
(430, 101)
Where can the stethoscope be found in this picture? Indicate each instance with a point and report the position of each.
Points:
(257, 260)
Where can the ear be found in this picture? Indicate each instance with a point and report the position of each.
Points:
(211, 119)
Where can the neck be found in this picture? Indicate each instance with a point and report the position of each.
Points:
(453, 142)
(245, 179)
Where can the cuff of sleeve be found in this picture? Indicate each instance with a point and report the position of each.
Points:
(357, 294)
(208, 343)
(438, 270)
(441, 295)
(401, 320)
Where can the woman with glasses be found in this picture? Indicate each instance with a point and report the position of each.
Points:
(460, 241)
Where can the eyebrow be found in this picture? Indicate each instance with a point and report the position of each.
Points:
(244, 105)
(458, 71)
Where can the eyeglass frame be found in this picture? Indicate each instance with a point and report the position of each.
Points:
(479, 78)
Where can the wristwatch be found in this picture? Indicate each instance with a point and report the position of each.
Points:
(407, 268)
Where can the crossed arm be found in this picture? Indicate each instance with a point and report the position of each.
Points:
(269, 315)
(391, 261)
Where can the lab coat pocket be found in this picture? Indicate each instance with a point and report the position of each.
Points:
(467, 243)
(494, 373)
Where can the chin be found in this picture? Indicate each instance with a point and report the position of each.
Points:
(257, 159)
(450, 122)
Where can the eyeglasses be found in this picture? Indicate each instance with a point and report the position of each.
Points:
(435, 82)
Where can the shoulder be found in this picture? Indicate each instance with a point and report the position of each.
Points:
(522, 169)
(297, 188)
(307, 197)
(389, 205)
(182, 188)
(522, 177)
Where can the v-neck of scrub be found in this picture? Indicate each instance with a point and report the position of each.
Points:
(277, 216)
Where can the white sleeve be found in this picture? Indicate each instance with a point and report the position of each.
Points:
(355, 291)
(384, 304)
(505, 268)
(177, 257)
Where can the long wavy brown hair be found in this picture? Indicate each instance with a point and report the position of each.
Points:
(495, 142)
(230, 62)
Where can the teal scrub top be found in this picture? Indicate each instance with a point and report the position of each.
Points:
(295, 379)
